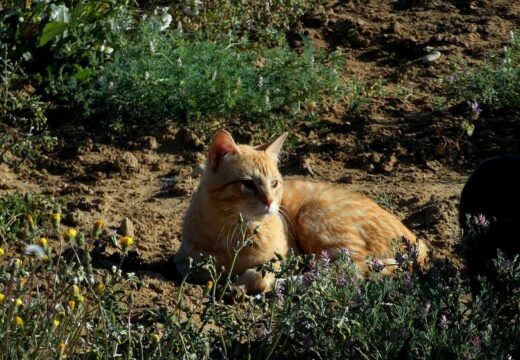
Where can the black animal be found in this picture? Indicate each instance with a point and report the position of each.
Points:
(489, 215)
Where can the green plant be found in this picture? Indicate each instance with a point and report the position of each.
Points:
(21, 215)
(69, 308)
(28, 139)
(493, 85)
(61, 37)
(361, 93)
(261, 22)
(159, 75)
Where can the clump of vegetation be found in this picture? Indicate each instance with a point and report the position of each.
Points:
(59, 37)
(263, 23)
(162, 75)
(29, 138)
(494, 85)
(55, 303)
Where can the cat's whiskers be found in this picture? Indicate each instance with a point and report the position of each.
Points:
(286, 218)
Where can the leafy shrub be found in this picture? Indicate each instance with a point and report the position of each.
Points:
(159, 75)
(29, 138)
(262, 22)
(62, 37)
(21, 215)
(495, 84)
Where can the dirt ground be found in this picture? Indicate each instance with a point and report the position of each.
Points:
(400, 152)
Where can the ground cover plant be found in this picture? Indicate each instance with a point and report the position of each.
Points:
(55, 303)
(493, 86)
(191, 80)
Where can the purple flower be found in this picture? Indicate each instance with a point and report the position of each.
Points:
(325, 258)
(482, 222)
(451, 78)
(376, 265)
(426, 309)
(443, 322)
(407, 277)
(280, 290)
(341, 280)
(310, 276)
(476, 344)
(475, 109)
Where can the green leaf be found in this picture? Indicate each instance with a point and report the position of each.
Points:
(52, 30)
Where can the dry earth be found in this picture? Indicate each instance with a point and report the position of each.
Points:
(401, 153)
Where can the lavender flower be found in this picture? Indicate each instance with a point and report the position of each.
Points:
(443, 322)
(325, 258)
(475, 109)
(451, 79)
(476, 344)
(482, 222)
(376, 265)
(341, 280)
(280, 290)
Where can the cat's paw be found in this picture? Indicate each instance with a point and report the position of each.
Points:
(255, 283)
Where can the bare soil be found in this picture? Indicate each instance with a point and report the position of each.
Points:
(400, 152)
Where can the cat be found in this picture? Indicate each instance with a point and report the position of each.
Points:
(489, 215)
(280, 215)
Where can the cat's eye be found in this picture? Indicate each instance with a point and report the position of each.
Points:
(274, 183)
(248, 184)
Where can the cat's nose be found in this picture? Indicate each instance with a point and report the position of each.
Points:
(267, 202)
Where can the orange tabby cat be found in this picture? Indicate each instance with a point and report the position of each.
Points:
(240, 179)
(237, 180)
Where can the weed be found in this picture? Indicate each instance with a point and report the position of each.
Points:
(160, 75)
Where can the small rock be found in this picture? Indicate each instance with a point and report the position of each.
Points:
(347, 179)
(388, 165)
(126, 161)
(150, 142)
(396, 28)
(126, 228)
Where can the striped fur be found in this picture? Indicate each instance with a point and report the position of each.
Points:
(289, 215)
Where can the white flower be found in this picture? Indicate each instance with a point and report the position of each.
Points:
(166, 20)
(36, 251)
(59, 13)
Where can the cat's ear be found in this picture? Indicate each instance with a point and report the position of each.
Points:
(274, 147)
(222, 144)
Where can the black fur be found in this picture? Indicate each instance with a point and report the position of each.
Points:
(493, 190)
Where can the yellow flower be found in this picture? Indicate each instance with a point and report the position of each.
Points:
(71, 304)
(126, 242)
(209, 285)
(99, 288)
(61, 347)
(23, 280)
(1, 251)
(75, 291)
(70, 234)
(98, 224)
(18, 302)
(2, 297)
(55, 323)
(55, 219)
(30, 220)
(42, 242)
(18, 321)
(156, 338)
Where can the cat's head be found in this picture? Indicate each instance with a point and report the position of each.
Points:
(242, 179)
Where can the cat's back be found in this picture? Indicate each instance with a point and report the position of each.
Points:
(328, 217)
